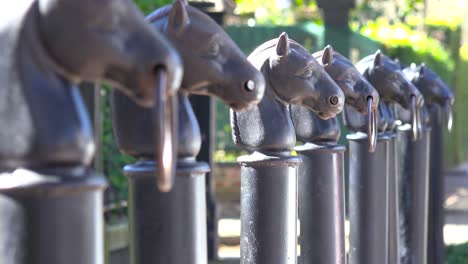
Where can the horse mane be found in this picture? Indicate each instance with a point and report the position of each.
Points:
(264, 52)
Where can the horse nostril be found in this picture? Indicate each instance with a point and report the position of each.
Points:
(249, 86)
(334, 100)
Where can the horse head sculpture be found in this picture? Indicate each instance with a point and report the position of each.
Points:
(433, 88)
(393, 87)
(292, 76)
(214, 66)
(359, 94)
(51, 45)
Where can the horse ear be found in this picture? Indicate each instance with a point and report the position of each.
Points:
(178, 17)
(378, 60)
(282, 47)
(422, 69)
(327, 56)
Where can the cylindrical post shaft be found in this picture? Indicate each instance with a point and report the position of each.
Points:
(414, 182)
(321, 204)
(268, 209)
(436, 247)
(368, 194)
(167, 227)
(60, 219)
(393, 202)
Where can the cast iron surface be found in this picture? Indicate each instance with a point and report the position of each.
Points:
(436, 247)
(413, 190)
(292, 76)
(393, 201)
(321, 204)
(214, 66)
(321, 175)
(357, 90)
(393, 87)
(368, 211)
(439, 99)
(51, 45)
(36, 206)
(167, 227)
(434, 90)
(268, 210)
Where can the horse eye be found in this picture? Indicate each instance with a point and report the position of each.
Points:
(213, 50)
(307, 73)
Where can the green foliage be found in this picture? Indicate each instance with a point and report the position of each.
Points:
(113, 160)
(149, 5)
(400, 41)
(451, 22)
(272, 13)
(457, 254)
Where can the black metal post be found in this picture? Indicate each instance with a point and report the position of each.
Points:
(268, 209)
(393, 202)
(414, 180)
(167, 227)
(55, 219)
(436, 247)
(170, 227)
(368, 200)
(321, 204)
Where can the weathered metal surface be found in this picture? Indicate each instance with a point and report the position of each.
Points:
(393, 201)
(393, 87)
(51, 46)
(413, 189)
(357, 90)
(321, 175)
(436, 246)
(167, 227)
(268, 209)
(269, 173)
(215, 66)
(440, 100)
(368, 206)
(321, 204)
(293, 76)
(57, 219)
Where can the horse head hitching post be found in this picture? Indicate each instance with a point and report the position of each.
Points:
(417, 185)
(369, 173)
(49, 196)
(321, 173)
(269, 172)
(163, 221)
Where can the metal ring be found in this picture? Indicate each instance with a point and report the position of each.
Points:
(371, 125)
(449, 115)
(415, 118)
(165, 126)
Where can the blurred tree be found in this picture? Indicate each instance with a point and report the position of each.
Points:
(279, 12)
(149, 5)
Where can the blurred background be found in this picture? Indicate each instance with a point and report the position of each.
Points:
(431, 31)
